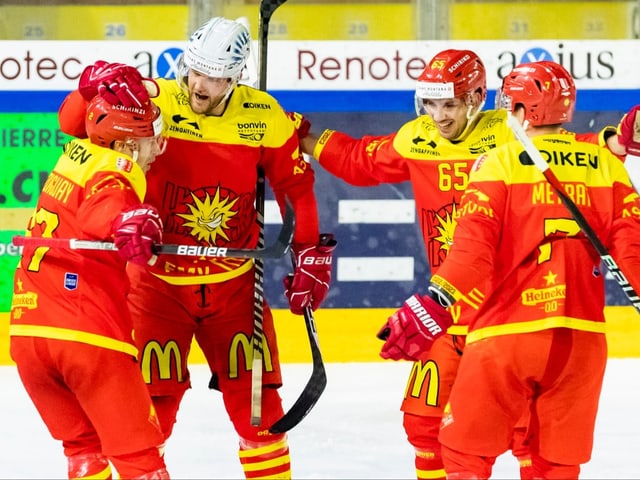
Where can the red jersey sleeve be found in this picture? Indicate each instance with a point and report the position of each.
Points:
(600, 138)
(624, 239)
(364, 162)
(291, 176)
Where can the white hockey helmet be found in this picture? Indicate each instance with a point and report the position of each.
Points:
(217, 49)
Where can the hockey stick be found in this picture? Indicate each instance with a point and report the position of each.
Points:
(316, 383)
(258, 312)
(314, 387)
(276, 250)
(318, 380)
(267, 7)
(577, 215)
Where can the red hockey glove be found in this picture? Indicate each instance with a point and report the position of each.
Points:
(412, 329)
(300, 123)
(117, 83)
(135, 231)
(309, 283)
(629, 131)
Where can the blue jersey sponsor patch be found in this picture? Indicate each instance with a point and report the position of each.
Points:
(70, 281)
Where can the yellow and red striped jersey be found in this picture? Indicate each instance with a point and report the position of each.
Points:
(204, 185)
(78, 295)
(437, 168)
(516, 238)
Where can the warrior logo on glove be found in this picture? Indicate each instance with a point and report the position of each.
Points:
(411, 330)
(422, 314)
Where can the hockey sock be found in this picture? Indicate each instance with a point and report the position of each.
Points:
(147, 464)
(526, 469)
(160, 474)
(94, 466)
(265, 460)
(460, 465)
(422, 433)
(542, 468)
(429, 465)
(520, 447)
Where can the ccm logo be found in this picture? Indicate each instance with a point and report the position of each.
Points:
(317, 261)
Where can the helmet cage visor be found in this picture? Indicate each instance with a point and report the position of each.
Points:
(503, 101)
(435, 91)
(431, 91)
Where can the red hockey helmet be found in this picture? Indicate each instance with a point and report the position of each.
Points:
(452, 74)
(545, 89)
(106, 123)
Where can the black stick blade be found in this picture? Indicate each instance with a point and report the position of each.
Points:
(312, 390)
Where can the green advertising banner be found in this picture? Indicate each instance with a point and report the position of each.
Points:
(30, 144)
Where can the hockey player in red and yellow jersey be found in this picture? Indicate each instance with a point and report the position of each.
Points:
(435, 153)
(71, 331)
(537, 342)
(220, 133)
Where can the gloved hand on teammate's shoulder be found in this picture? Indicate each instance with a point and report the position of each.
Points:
(117, 83)
(308, 285)
(300, 123)
(413, 328)
(629, 131)
(135, 231)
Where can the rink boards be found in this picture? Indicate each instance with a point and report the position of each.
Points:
(349, 335)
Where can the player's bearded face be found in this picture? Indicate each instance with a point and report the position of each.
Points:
(207, 94)
(449, 115)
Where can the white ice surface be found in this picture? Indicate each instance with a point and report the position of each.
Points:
(354, 432)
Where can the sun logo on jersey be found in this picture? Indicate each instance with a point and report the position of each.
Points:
(438, 227)
(209, 217)
(446, 226)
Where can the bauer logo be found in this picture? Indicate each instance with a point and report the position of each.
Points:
(200, 251)
(70, 281)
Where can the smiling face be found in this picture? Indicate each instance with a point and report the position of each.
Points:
(207, 95)
(449, 115)
(452, 116)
